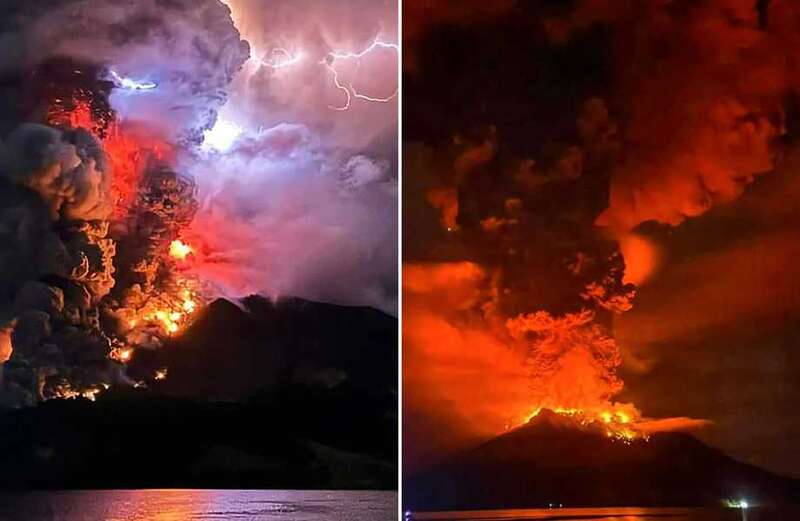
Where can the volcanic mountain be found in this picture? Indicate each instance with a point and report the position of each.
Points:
(554, 460)
(232, 351)
(263, 394)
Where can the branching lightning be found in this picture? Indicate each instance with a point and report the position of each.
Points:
(282, 58)
(126, 83)
(349, 89)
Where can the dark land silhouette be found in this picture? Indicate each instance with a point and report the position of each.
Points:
(286, 394)
(553, 460)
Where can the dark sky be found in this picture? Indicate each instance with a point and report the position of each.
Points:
(546, 135)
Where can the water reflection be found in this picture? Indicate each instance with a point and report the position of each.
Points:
(183, 505)
(613, 514)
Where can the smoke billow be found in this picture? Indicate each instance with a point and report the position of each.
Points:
(704, 97)
(189, 49)
(300, 199)
(90, 204)
(282, 214)
(614, 118)
(152, 158)
(57, 260)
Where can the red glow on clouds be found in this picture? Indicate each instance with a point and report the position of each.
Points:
(129, 149)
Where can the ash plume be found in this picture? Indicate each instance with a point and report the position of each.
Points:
(125, 212)
(283, 214)
(188, 49)
(303, 201)
(704, 108)
(91, 198)
(57, 261)
(614, 119)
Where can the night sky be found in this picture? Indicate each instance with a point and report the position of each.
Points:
(643, 149)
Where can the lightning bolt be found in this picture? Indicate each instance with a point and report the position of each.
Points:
(130, 84)
(282, 58)
(349, 89)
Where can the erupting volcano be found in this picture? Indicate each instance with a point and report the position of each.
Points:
(136, 190)
(111, 277)
(198, 214)
(586, 184)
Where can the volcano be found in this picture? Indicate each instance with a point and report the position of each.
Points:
(265, 394)
(555, 460)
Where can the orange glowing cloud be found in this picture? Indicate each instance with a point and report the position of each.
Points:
(453, 364)
(680, 423)
(5, 342)
(446, 201)
(486, 374)
(642, 258)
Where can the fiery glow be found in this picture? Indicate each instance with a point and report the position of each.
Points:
(122, 354)
(71, 394)
(161, 374)
(641, 255)
(179, 250)
(169, 311)
(618, 421)
(130, 153)
(73, 113)
(129, 150)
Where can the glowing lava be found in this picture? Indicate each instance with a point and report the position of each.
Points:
(122, 355)
(160, 304)
(179, 250)
(618, 422)
(168, 311)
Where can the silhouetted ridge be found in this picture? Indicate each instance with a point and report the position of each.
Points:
(554, 459)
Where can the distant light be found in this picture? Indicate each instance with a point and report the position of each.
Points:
(222, 136)
(131, 84)
(741, 504)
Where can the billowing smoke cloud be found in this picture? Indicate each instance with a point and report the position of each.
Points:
(299, 197)
(315, 184)
(290, 191)
(704, 97)
(282, 214)
(83, 282)
(68, 172)
(187, 48)
(613, 118)
(56, 199)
